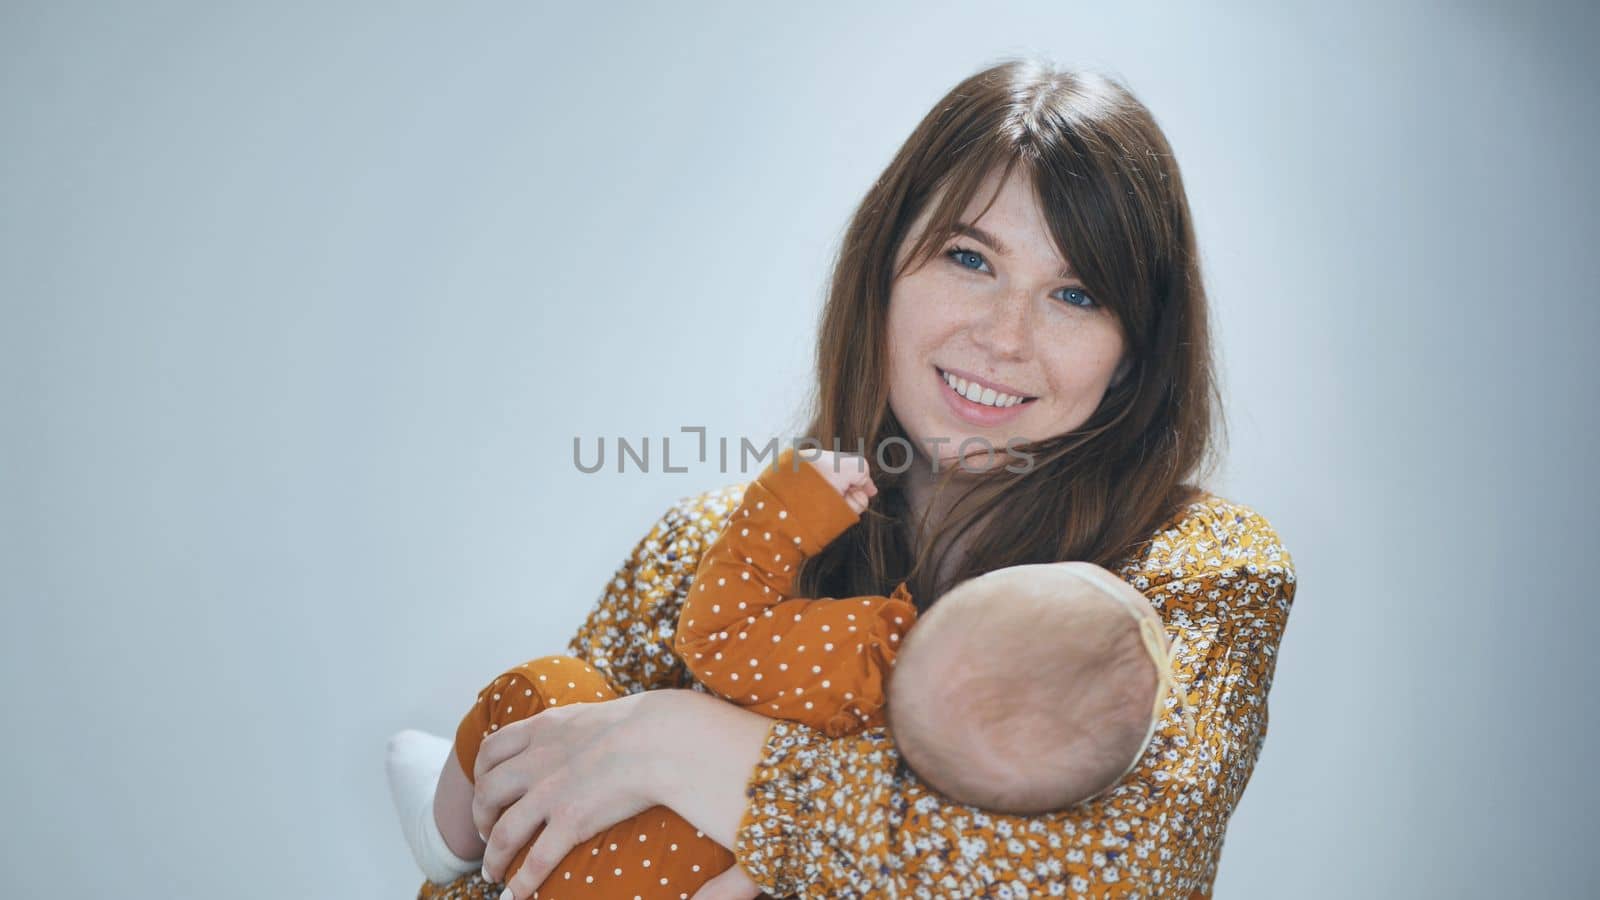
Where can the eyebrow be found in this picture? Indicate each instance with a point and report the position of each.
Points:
(997, 245)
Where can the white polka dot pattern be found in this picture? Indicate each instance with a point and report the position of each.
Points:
(783, 659)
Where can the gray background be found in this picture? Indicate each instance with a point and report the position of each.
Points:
(303, 306)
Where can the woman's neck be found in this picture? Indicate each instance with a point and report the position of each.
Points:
(958, 497)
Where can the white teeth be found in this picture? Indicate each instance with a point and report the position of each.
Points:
(979, 394)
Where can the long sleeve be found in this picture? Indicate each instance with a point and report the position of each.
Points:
(823, 662)
(843, 817)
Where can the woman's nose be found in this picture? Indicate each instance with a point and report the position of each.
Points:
(1004, 329)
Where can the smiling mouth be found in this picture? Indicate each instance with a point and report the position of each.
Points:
(983, 396)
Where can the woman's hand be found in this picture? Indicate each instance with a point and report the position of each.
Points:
(577, 770)
(573, 770)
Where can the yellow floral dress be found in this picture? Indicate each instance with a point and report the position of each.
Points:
(844, 817)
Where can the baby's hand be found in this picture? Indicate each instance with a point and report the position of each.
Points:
(847, 472)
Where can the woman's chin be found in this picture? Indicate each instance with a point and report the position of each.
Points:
(978, 463)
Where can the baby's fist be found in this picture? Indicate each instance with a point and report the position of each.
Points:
(847, 473)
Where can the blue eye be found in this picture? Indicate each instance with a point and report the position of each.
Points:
(1088, 301)
(959, 255)
(959, 252)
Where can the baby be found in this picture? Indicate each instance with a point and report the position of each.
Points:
(1027, 689)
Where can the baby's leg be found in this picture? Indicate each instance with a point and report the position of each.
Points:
(413, 763)
(516, 694)
(452, 811)
(431, 779)
(653, 854)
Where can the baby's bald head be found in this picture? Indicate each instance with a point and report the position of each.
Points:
(1026, 689)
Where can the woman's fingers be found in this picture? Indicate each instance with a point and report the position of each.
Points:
(732, 884)
(502, 745)
(514, 829)
(554, 843)
(494, 791)
(504, 783)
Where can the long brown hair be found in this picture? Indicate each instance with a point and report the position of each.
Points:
(1112, 195)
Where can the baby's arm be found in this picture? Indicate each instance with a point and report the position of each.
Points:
(788, 513)
(822, 662)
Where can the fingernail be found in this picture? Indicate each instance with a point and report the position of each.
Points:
(485, 871)
(506, 895)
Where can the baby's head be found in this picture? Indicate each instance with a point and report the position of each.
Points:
(1029, 688)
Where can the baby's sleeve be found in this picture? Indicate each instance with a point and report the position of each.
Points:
(822, 662)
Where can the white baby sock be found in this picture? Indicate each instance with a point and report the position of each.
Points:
(414, 761)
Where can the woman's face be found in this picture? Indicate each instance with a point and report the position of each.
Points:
(990, 340)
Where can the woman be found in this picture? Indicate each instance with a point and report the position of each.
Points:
(1024, 275)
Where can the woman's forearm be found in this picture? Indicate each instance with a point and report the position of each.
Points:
(707, 749)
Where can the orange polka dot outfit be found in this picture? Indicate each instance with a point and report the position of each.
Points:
(821, 662)
(842, 816)
(656, 853)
